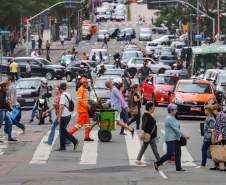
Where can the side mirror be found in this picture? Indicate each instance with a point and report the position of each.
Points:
(149, 83)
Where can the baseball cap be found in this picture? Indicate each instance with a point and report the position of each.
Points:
(84, 80)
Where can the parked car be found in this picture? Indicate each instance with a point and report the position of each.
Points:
(159, 29)
(182, 74)
(191, 96)
(105, 54)
(25, 88)
(113, 32)
(156, 86)
(135, 63)
(40, 67)
(145, 34)
(129, 54)
(74, 67)
(169, 60)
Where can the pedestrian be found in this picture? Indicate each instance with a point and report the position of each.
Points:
(40, 45)
(12, 46)
(48, 47)
(4, 107)
(77, 40)
(136, 101)
(63, 63)
(76, 56)
(219, 132)
(209, 124)
(124, 37)
(115, 104)
(14, 69)
(25, 36)
(172, 139)
(100, 57)
(152, 20)
(33, 43)
(34, 53)
(179, 65)
(84, 56)
(145, 71)
(143, 20)
(99, 20)
(62, 39)
(56, 106)
(28, 69)
(138, 22)
(124, 114)
(94, 57)
(82, 109)
(73, 57)
(105, 41)
(48, 57)
(149, 126)
(64, 118)
(73, 49)
(12, 99)
(7, 47)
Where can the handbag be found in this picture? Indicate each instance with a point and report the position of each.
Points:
(202, 129)
(218, 153)
(147, 136)
(183, 141)
(134, 110)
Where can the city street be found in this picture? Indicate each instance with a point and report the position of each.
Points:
(29, 161)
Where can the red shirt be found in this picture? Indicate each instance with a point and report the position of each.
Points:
(84, 57)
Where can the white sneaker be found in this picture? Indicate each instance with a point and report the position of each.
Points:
(140, 162)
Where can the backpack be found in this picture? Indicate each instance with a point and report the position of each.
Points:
(71, 104)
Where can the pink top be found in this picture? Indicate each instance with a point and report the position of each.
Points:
(122, 97)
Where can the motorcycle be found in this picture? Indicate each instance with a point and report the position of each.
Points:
(41, 102)
(79, 77)
(117, 63)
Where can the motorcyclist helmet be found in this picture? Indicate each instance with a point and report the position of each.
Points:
(44, 82)
(116, 52)
(102, 65)
(81, 66)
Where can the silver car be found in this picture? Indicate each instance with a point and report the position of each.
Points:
(120, 16)
(150, 46)
(145, 34)
(160, 29)
(135, 63)
(101, 33)
(105, 54)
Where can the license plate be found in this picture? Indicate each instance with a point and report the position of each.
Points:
(195, 108)
(29, 100)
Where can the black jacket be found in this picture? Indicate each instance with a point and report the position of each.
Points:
(3, 103)
(101, 71)
(148, 124)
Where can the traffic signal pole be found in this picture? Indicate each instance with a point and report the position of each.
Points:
(48, 9)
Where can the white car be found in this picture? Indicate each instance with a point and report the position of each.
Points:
(150, 46)
(160, 29)
(105, 54)
(135, 63)
(165, 39)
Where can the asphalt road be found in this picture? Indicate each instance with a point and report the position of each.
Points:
(28, 161)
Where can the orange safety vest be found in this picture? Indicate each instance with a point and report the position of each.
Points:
(82, 100)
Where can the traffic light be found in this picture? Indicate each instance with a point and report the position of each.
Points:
(52, 21)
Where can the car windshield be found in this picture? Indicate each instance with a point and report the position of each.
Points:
(166, 80)
(92, 64)
(130, 55)
(157, 51)
(132, 49)
(27, 84)
(145, 31)
(106, 67)
(222, 78)
(180, 46)
(101, 13)
(115, 72)
(101, 32)
(120, 14)
(167, 52)
(85, 31)
(68, 57)
(168, 58)
(152, 44)
(45, 62)
(104, 53)
(100, 84)
(200, 88)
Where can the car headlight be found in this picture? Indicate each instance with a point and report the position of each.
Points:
(93, 98)
(105, 17)
(18, 96)
(79, 76)
(161, 91)
(41, 100)
(179, 100)
(161, 63)
(147, 49)
(122, 61)
(212, 101)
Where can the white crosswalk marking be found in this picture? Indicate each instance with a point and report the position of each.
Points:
(89, 152)
(186, 158)
(133, 147)
(42, 152)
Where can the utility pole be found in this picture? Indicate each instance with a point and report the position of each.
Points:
(218, 9)
(191, 30)
(80, 24)
(21, 31)
(197, 20)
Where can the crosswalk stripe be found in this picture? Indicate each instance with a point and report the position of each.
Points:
(186, 158)
(89, 152)
(42, 152)
(133, 147)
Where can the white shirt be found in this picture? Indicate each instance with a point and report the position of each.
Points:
(149, 64)
(61, 37)
(33, 54)
(64, 101)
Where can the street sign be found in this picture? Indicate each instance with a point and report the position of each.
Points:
(70, 5)
(63, 29)
(158, 4)
(5, 32)
(199, 38)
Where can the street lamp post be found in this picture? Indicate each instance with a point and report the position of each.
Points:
(218, 9)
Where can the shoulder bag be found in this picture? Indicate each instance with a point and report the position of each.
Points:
(183, 141)
(134, 110)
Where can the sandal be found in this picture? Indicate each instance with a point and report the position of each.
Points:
(223, 169)
(215, 168)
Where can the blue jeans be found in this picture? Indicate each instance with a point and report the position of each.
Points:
(172, 147)
(124, 39)
(64, 133)
(105, 43)
(205, 147)
(8, 122)
(137, 119)
(141, 80)
(52, 133)
(36, 106)
(125, 117)
(15, 122)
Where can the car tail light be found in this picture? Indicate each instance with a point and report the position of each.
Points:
(7, 65)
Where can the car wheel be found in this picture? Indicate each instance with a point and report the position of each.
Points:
(132, 71)
(154, 100)
(69, 77)
(161, 71)
(154, 31)
(163, 43)
(49, 75)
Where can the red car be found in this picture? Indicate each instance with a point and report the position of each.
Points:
(156, 87)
